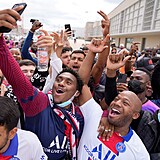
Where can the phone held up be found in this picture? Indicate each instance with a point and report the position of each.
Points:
(122, 78)
(33, 20)
(68, 27)
(6, 30)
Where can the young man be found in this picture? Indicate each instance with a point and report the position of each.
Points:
(58, 123)
(76, 59)
(28, 67)
(53, 124)
(65, 56)
(139, 81)
(124, 143)
(16, 143)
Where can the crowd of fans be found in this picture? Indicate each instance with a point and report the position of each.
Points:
(100, 101)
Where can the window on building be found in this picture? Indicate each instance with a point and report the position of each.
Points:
(128, 42)
(134, 28)
(157, 14)
(136, 13)
(157, 24)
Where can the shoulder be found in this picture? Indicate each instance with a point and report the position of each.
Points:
(137, 147)
(27, 137)
(91, 108)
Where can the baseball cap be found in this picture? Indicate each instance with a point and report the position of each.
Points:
(145, 62)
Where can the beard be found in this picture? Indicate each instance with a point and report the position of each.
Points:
(121, 121)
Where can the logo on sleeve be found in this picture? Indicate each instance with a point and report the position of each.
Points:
(121, 147)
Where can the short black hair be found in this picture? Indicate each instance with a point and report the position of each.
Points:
(66, 49)
(9, 113)
(26, 62)
(146, 71)
(76, 75)
(78, 51)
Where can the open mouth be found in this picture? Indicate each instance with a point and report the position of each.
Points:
(75, 67)
(59, 91)
(114, 111)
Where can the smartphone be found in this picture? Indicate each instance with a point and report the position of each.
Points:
(67, 26)
(33, 20)
(122, 78)
(6, 30)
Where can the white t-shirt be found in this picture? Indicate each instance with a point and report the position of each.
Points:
(25, 146)
(91, 147)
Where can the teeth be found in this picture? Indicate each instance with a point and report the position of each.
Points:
(115, 111)
(59, 91)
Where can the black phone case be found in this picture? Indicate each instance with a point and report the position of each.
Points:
(67, 26)
(6, 30)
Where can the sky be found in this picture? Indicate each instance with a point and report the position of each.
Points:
(55, 13)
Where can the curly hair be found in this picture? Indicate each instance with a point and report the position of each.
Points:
(76, 75)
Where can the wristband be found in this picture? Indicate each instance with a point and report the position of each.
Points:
(31, 31)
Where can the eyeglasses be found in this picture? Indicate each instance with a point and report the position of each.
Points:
(114, 52)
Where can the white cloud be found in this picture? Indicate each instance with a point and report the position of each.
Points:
(55, 13)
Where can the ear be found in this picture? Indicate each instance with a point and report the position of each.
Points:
(12, 133)
(77, 94)
(136, 115)
(148, 84)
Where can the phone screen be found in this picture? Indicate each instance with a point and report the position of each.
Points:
(122, 78)
(20, 4)
(67, 26)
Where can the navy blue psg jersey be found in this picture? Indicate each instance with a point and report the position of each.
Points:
(50, 129)
(40, 116)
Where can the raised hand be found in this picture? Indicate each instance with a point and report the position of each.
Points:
(65, 38)
(122, 87)
(105, 23)
(58, 38)
(67, 34)
(8, 17)
(46, 41)
(36, 25)
(116, 61)
(98, 45)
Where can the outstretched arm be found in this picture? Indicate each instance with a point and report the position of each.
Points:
(55, 63)
(102, 58)
(30, 99)
(27, 43)
(96, 46)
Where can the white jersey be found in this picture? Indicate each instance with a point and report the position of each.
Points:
(25, 146)
(91, 147)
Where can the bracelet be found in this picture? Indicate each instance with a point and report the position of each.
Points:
(31, 31)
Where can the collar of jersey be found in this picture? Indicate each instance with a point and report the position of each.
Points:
(13, 147)
(128, 136)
